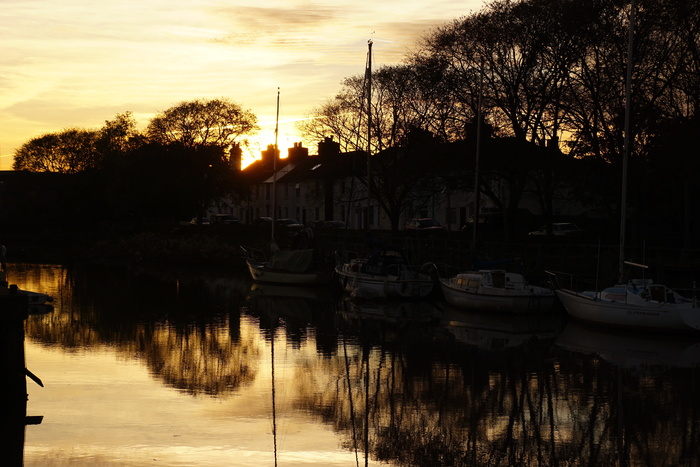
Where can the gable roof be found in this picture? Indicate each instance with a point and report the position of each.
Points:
(333, 167)
(261, 169)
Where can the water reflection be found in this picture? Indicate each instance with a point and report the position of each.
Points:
(186, 329)
(638, 351)
(407, 383)
(501, 331)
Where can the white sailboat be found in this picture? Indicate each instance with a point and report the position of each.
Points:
(638, 303)
(492, 290)
(496, 290)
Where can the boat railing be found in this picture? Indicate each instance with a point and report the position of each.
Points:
(688, 294)
(344, 256)
(253, 254)
(445, 271)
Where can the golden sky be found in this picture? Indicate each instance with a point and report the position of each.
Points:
(77, 63)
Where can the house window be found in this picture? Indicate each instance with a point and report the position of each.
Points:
(297, 191)
(452, 215)
(268, 190)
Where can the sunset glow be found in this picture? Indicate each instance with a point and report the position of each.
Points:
(70, 63)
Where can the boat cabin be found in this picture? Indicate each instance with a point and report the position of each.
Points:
(495, 278)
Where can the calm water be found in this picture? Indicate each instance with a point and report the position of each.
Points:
(175, 370)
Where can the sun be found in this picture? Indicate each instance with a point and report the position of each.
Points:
(287, 136)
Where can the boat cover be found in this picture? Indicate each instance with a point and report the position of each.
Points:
(292, 260)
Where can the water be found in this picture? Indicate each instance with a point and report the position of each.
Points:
(193, 370)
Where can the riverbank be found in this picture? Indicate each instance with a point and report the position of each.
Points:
(218, 247)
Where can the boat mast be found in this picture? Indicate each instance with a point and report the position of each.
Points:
(274, 169)
(368, 74)
(627, 142)
(477, 186)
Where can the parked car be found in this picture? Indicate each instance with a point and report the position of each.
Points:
(224, 219)
(559, 229)
(204, 221)
(289, 224)
(262, 221)
(334, 225)
(424, 223)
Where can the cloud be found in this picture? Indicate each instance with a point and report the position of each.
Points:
(280, 18)
(69, 63)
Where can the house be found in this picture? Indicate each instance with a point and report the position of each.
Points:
(423, 179)
(310, 188)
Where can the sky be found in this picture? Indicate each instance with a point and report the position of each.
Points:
(77, 63)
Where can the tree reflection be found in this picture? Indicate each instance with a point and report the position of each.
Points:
(528, 405)
(187, 329)
(406, 384)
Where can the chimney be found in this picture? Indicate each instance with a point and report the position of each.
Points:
(328, 147)
(268, 155)
(235, 155)
(297, 153)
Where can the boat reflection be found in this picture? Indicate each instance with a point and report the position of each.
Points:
(398, 383)
(390, 311)
(264, 290)
(499, 331)
(631, 349)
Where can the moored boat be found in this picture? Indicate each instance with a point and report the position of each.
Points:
(291, 267)
(384, 274)
(496, 290)
(638, 304)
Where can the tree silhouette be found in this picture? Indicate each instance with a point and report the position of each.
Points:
(217, 122)
(69, 151)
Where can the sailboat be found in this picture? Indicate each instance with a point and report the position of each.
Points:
(496, 290)
(299, 266)
(638, 303)
(386, 271)
(492, 290)
(288, 267)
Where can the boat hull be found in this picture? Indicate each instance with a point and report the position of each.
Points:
(505, 301)
(261, 273)
(649, 315)
(365, 285)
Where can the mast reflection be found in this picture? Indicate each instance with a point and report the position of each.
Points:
(407, 383)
